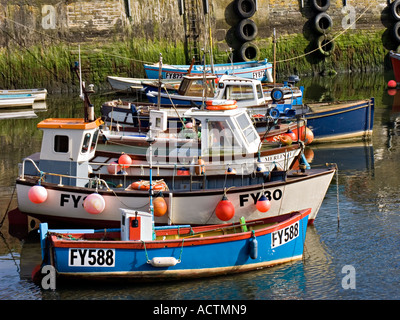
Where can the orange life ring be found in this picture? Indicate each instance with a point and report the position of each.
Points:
(158, 185)
(221, 104)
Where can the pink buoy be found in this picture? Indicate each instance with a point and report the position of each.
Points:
(94, 203)
(392, 84)
(263, 204)
(113, 168)
(189, 125)
(37, 194)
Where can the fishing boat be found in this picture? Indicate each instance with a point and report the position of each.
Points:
(260, 70)
(248, 93)
(69, 169)
(127, 84)
(348, 120)
(16, 100)
(138, 251)
(38, 94)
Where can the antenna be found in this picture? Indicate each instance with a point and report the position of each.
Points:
(80, 74)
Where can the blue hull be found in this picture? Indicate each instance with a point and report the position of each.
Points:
(198, 257)
(347, 121)
(251, 69)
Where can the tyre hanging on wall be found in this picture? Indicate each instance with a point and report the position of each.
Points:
(248, 52)
(396, 31)
(245, 8)
(395, 9)
(325, 45)
(323, 23)
(246, 30)
(320, 5)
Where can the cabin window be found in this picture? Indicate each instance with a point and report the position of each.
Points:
(247, 127)
(61, 144)
(259, 92)
(94, 140)
(195, 87)
(238, 92)
(85, 144)
(220, 135)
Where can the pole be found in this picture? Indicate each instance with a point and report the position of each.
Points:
(274, 71)
(159, 83)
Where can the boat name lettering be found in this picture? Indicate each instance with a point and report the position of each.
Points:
(91, 257)
(173, 75)
(283, 236)
(258, 74)
(64, 198)
(274, 195)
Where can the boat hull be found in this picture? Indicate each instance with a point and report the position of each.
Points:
(196, 207)
(196, 256)
(351, 120)
(260, 70)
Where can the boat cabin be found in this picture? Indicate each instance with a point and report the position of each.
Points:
(67, 146)
(225, 131)
(193, 85)
(247, 92)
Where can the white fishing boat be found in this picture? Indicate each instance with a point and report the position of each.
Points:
(38, 94)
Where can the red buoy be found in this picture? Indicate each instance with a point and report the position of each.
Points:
(125, 161)
(113, 168)
(263, 204)
(392, 84)
(292, 135)
(225, 209)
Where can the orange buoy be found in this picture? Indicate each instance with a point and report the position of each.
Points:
(309, 136)
(37, 194)
(159, 206)
(124, 161)
(285, 139)
(291, 134)
(225, 209)
(183, 172)
(263, 204)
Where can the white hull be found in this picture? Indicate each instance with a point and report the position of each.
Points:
(38, 94)
(195, 207)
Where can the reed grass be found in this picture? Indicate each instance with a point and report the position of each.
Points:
(50, 66)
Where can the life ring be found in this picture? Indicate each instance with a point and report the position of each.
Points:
(245, 8)
(158, 185)
(274, 113)
(396, 31)
(395, 9)
(221, 104)
(322, 23)
(325, 45)
(320, 5)
(246, 30)
(249, 52)
(277, 94)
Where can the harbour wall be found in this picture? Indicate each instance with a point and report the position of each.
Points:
(117, 36)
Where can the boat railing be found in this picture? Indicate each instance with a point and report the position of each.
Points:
(98, 181)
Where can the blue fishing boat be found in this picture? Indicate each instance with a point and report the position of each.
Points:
(260, 70)
(139, 251)
(333, 121)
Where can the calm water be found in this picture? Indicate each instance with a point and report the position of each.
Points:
(365, 199)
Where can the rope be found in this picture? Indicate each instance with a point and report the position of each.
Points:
(333, 39)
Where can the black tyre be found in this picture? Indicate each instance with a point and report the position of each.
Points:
(396, 31)
(248, 52)
(245, 8)
(322, 23)
(246, 30)
(320, 5)
(395, 9)
(325, 45)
